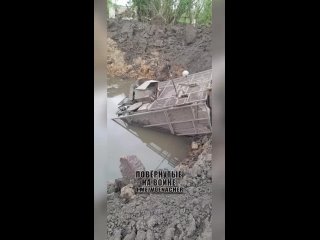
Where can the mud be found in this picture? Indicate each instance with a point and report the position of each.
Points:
(143, 51)
(168, 216)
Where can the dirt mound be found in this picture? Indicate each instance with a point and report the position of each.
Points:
(146, 50)
(167, 216)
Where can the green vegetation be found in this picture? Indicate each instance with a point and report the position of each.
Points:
(172, 11)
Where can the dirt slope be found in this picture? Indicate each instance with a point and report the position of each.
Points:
(139, 50)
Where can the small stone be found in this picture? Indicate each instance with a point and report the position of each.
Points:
(127, 192)
(194, 146)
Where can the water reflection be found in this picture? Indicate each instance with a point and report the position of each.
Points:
(160, 143)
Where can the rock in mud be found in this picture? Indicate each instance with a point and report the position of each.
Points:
(194, 145)
(127, 192)
(119, 184)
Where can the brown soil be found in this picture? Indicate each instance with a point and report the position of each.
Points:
(138, 50)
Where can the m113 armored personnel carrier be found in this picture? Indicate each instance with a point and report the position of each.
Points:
(180, 106)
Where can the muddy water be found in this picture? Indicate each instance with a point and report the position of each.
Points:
(112, 141)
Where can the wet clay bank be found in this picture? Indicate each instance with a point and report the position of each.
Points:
(168, 216)
(138, 50)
